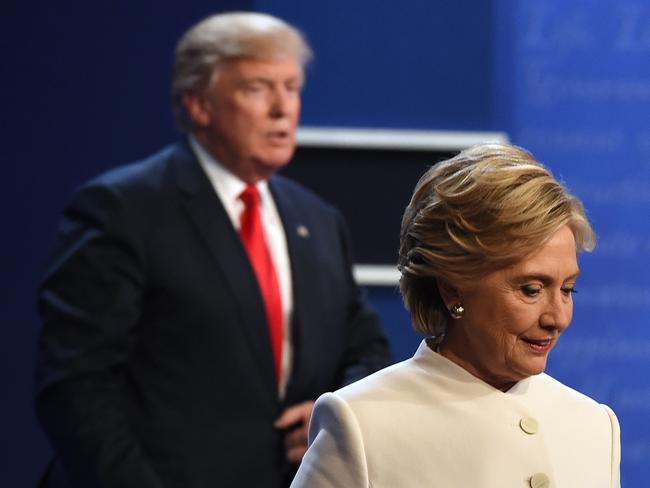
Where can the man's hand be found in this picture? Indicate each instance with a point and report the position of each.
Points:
(296, 417)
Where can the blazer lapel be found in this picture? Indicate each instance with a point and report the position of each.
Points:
(211, 220)
(305, 338)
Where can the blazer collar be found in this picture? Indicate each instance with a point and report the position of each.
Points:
(433, 362)
(307, 338)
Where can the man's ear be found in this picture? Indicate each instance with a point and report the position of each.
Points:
(196, 109)
(449, 293)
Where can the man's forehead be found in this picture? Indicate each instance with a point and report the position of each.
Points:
(279, 67)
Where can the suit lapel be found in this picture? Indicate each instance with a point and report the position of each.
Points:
(212, 223)
(298, 235)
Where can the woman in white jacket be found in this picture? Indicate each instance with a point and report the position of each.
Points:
(488, 268)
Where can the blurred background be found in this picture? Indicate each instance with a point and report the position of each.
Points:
(86, 87)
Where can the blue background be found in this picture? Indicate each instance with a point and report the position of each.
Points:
(86, 87)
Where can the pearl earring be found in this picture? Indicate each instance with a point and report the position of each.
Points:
(457, 311)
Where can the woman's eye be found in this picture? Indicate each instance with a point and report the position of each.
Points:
(531, 291)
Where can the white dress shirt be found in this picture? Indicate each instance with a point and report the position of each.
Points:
(228, 188)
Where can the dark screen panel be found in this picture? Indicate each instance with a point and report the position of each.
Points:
(371, 187)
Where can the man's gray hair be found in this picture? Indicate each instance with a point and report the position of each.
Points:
(223, 37)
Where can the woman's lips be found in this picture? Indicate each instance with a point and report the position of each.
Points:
(540, 346)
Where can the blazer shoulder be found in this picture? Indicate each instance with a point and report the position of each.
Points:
(133, 193)
(572, 400)
(149, 172)
(550, 386)
(397, 383)
(299, 194)
(581, 425)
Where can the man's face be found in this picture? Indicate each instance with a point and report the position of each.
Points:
(249, 115)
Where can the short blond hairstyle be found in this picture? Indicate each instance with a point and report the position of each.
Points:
(220, 38)
(482, 210)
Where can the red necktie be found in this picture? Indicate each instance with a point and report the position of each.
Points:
(252, 236)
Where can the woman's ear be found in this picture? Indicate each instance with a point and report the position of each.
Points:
(449, 293)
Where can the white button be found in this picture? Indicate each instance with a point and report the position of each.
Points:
(529, 425)
(540, 480)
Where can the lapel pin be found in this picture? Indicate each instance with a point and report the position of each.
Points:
(302, 231)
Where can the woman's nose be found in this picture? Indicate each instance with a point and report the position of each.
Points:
(558, 311)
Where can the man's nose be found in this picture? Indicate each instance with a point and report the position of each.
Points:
(280, 102)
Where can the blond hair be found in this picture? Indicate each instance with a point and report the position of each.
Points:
(220, 38)
(486, 208)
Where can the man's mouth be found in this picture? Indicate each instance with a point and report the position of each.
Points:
(279, 136)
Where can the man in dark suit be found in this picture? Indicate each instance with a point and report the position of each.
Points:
(197, 303)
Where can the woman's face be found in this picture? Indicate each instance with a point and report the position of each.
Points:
(514, 316)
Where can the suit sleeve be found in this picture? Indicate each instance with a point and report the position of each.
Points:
(90, 302)
(616, 448)
(336, 455)
(366, 349)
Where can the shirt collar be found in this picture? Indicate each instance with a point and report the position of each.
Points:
(227, 185)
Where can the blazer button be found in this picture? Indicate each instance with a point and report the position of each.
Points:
(540, 480)
(529, 425)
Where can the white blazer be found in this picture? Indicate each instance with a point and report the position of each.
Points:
(426, 422)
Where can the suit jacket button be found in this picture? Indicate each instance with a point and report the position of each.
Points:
(529, 425)
(540, 480)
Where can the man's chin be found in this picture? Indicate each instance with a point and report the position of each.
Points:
(277, 159)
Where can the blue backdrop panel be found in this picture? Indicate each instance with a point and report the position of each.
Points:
(388, 302)
(414, 64)
(574, 87)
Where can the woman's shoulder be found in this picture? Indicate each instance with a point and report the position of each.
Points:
(546, 389)
(414, 379)
(546, 384)
(574, 422)
(391, 381)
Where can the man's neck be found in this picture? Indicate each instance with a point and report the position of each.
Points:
(244, 172)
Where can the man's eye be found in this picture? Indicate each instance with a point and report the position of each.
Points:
(254, 87)
(531, 291)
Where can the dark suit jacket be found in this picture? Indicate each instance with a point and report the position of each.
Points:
(155, 368)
